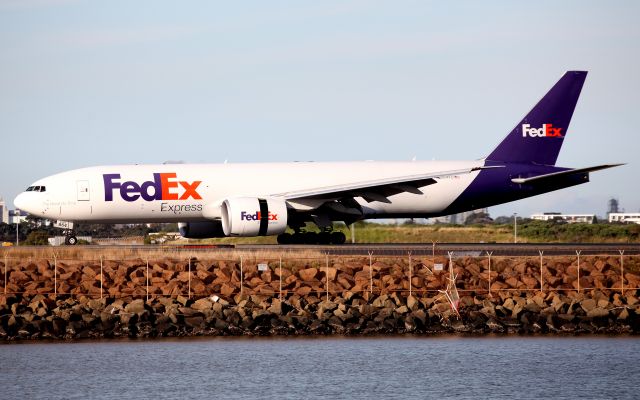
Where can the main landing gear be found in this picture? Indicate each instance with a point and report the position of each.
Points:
(325, 236)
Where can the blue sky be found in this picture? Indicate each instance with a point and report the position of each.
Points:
(92, 83)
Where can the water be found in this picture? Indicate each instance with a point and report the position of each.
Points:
(327, 368)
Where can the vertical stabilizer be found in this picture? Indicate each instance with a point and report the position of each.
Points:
(538, 137)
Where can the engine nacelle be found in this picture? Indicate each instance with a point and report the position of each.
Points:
(201, 230)
(251, 216)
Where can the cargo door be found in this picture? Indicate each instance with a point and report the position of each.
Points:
(83, 191)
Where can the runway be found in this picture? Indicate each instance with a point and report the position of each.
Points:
(458, 249)
(381, 249)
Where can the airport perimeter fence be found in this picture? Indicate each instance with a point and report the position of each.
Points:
(328, 275)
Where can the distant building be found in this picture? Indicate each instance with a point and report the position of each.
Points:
(17, 216)
(612, 207)
(4, 212)
(625, 218)
(568, 218)
(460, 218)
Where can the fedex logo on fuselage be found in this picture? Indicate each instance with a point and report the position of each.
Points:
(164, 186)
(547, 130)
(257, 216)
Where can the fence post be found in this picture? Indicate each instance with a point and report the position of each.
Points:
(147, 274)
(622, 270)
(410, 273)
(5, 273)
(280, 277)
(370, 272)
(489, 253)
(101, 278)
(450, 262)
(541, 253)
(241, 276)
(327, 274)
(55, 276)
(578, 254)
(189, 277)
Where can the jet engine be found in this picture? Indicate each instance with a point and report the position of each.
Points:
(251, 216)
(201, 230)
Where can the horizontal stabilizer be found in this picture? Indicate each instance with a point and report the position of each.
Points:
(539, 178)
(382, 187)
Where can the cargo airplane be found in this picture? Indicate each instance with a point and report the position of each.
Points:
(218, 200)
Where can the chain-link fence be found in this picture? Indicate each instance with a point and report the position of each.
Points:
(327, 275)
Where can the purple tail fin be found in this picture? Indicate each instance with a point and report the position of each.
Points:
(538, 137)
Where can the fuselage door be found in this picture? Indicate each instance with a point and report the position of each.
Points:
(83, 191)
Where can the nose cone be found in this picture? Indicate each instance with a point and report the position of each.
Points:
(20, 201)
(24, 201)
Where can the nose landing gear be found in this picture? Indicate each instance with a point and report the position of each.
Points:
(67, 230)
(70, 239)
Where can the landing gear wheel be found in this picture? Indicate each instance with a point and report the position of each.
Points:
(71, 240)
(285, 238)
(297, 238)
(324, 237)
(338, 238)
(310, 238)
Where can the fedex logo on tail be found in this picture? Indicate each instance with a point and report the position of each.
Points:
(164, 186)
(257, 216)
(547, 130)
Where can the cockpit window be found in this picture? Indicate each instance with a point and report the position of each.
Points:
(30, 189)
(36, 189)
(43, 189)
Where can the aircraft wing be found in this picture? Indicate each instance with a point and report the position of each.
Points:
(554, 175)
(377, 189)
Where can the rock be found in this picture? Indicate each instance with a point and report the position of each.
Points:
(617, 300)
(488, 311)
(497, 286)
(195, 321)
(188, 311)
(533, 307)
(303, 291)
(136, 307)
(402, 310)
(624, 314)
(203, 304)
(227, 290)
(412, 303)
(325, 306)
(89, 272)
(508, 304)
(513, 282)
(97, 304)
(276, 307)
(182, 300)
(588, 304)
(597, 312)
(380, 301)
(494, 326)
(539, 299)
(308, 274)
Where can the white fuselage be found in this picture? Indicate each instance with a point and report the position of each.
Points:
(98, 194)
